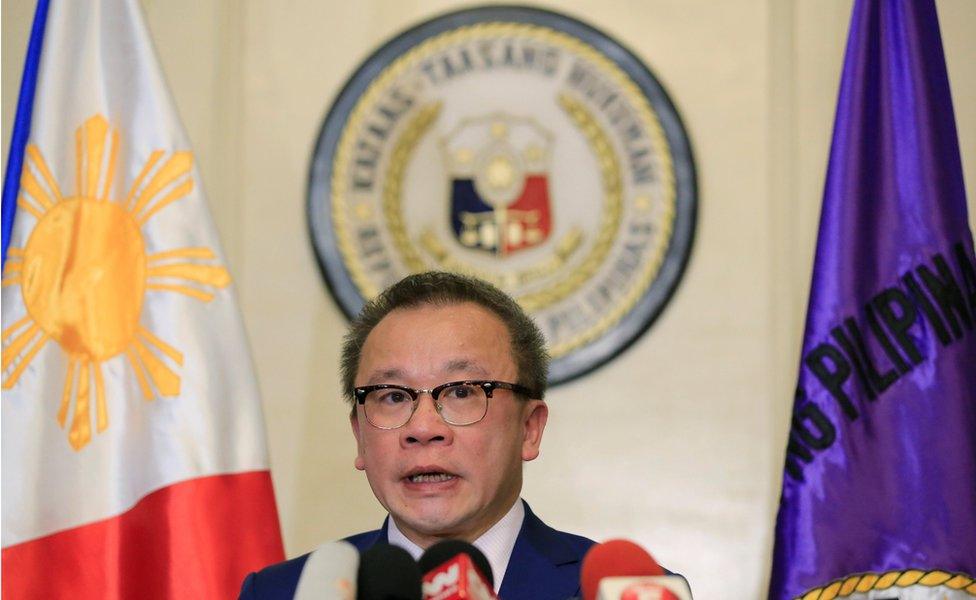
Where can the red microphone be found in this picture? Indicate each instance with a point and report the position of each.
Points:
(622, 570)
(458, 577)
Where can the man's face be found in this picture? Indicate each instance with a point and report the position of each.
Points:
(421, 348)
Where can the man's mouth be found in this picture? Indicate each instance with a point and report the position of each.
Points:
(430, 477)
(429, 474)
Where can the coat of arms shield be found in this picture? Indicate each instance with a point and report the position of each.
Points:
(499, 183)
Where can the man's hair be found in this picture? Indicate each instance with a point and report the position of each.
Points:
(445, 289)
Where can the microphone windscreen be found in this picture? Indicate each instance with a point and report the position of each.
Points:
(441, 552)
(388, 573)
(329, 573)
(615, 558)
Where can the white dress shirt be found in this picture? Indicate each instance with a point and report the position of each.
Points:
(496, 543)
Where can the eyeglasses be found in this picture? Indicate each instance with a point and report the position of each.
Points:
(390, 406)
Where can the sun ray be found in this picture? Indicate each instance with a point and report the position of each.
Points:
(12, 252)
(17, 346)
(204, 274)
(174, 354)
(153, 159)
(13, 272)
(182, 289)
(35, 156)
(80, 432)
(28, 357)
(140, 375)
(93, 135)
(113, 160)
(175, 194)
(101, 410)
(177, 166)
(9, 331)
(165, 380)
(69, 381)
(178, 253)
(24, 204)
(30, 185)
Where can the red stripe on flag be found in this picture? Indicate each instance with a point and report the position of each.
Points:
(193, 539)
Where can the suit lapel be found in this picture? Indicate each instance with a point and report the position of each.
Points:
(365, 541)
(542, 564)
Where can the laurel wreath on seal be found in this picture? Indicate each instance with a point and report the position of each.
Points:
(865, 582)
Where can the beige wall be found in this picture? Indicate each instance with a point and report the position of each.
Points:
(679, 442)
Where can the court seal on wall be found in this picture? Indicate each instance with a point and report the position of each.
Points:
(520, 146)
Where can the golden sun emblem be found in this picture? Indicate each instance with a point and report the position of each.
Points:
(84, 274)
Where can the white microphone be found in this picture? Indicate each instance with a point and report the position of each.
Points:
(329, 573)
(658, 587)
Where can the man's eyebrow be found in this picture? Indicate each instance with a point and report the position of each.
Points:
(464, 365)
(385, 376)
(458, 365)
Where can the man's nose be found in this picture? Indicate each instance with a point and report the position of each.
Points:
(426, 425)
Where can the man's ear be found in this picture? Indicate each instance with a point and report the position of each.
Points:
(534, 417)
(360, 462)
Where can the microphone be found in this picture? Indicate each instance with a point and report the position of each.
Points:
(622, 570)
(329, 573)
(455, 570)
(660, 587)
(388, 573)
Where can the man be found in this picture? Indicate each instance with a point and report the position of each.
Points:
(446, 376)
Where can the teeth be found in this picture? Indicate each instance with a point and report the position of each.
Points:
(430, 477)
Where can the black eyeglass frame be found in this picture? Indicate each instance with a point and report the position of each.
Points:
(489, 386)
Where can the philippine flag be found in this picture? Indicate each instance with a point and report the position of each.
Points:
(134, 460)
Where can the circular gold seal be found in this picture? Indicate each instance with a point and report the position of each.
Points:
(520, 146)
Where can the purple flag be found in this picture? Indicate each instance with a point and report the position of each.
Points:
(879, 487)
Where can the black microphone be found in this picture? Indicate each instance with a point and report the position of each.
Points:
(388, 573)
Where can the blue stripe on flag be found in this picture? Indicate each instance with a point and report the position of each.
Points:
(22, 123)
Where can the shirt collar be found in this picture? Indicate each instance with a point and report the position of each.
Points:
(496, 543)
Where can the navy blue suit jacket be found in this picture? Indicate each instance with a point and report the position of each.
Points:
(545, 565)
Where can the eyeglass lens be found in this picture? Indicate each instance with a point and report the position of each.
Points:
(458, 405)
